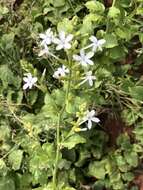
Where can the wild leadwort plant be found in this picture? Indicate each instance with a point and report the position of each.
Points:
(75, 93)
(64, 42)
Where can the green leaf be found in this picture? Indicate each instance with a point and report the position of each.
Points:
(64, 164)
(139, 132)
(3, 10)
(124, 142)
(116, 181)
(136, 92)
(87, 25)
(7, 77)
(15, 158)
(5, 131)
(58, 3)
(73, 140)
(125, 4)
(7, 41)
(113, 12)
(131, 158)
(7, 183)
(95, 6)
(128, 176)
(129, 116)
(97, 169)
(3, 168)
(124, 33)
(74, 103)
(69, 154)
(121, 163)
(83, 156)
(58, 96)
(111, 40)
(65, 25)
(32, 96)
(117, 52)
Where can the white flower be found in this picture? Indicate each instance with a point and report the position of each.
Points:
(61, 72)
(96, 44)
(63, 42)
(29, 81)
(83, 58)
(45, 50)
(90, 117)
(47, 38)
(89, 77)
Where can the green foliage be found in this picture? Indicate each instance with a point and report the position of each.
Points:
(15, 158)
(42, 129)
(72, 141)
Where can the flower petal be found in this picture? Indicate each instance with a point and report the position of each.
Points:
(95, 119)
(90, 82)
(25, 86)
(43, 51)
(42, 36)
(48, 32)
(82, 53)
(101, 42)
(93, 39)
(89, 125)
(34, 80)
(69, 38)
(83, 129)
(62, 35)
(76, 57)
(25, 79)
(67, 46)
(92, 113)
(90, 62)
(59, 47)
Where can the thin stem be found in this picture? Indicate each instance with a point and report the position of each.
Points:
(69, 81)
(113, 4)
(58, 128)
(89, 46)
(70, 3)
(57, 58)
(57, 154)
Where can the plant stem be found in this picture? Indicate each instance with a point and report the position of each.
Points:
(58, 128)
(113, 4)
(57, 154)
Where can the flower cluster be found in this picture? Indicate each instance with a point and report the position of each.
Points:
(29, 81)
(64, 41)
(89, 118)
(61, 72)
(48, 38)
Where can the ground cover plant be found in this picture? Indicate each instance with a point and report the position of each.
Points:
(71, 95)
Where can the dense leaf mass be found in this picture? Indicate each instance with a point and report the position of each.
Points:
(71, 94)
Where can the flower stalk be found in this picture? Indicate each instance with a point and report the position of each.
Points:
(55, 171)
